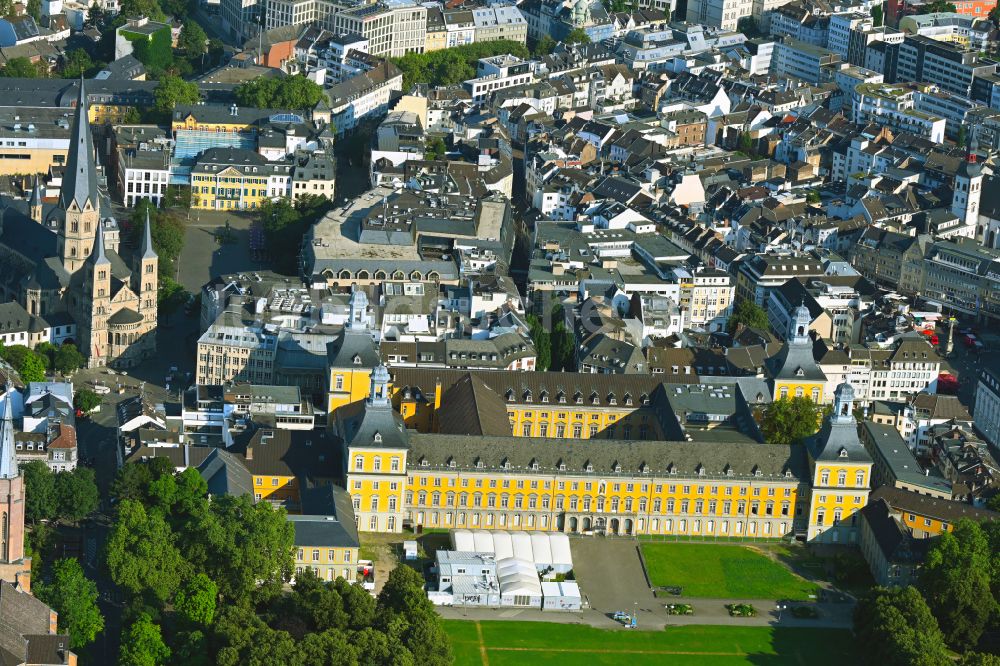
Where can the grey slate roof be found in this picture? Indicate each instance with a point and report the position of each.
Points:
(225, 474)
(327, 518)
(353, 348)
(80, 177)
(655, 458)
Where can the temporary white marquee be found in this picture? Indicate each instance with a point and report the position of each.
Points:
(545, 550)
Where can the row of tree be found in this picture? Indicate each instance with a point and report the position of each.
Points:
(288, 92)
(447, 67)
(32, 365)
(555, 350)
(956, 601)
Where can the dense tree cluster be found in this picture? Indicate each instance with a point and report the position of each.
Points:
(450, 66)
(30, 365)
(49, 495)
(74, 596)
(747, 313)
(790, 420)
(289, 92)
(204, 580)
(285, 223)
(168, 241)
(955, 604)
(171, 91)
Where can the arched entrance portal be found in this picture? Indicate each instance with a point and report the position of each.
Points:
(628, 526)
(586, 524)
(572, 524)
(615, 525)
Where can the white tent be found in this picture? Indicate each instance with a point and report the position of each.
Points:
(483, 542)
(519, 584)
(562, 557)
(462, 541)
(521, 543)
(502, 545)
(542, 554)
(544, 549)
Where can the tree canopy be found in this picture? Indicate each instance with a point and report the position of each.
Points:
(956, 580)
(142, 644)
(50, 495)
(897, 629)
(74, 597)
(76, 63)
(23, 68)
(748, 314)
(29, 364)
(790, 420)
(577, 36)
(167, 233)
(173, 90)
(289, 92)
(85, 400)
(284, 225)
(447, 67)
(543, 343)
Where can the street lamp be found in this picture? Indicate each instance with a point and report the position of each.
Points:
(780, 608)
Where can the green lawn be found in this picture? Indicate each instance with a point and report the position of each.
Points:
(511, 643)
(721, 571)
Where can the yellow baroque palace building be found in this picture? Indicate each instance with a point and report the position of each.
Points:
(729, 486)
(578, 453)
(793, 371)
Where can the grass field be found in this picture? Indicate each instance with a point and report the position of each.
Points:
(723, 572)
(509, 643)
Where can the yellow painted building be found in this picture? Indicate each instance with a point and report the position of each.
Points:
(326, 540)
(841, 470)
(351, 357)
(929, 516)
(236, 179)
(793, 372)
(398, 477)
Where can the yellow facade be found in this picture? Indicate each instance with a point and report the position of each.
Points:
(231, 124)
(230, 189)
(347, 386)
(110, 114)
(376, 480)
(326, 562)
(276, 488)
(799, 389)
(553, 416)
(921, 523)
(15, 161)
(637, 505)
(840, 490)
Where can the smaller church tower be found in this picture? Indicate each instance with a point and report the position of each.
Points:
(358, 308)
(98, 287)
(14, 568)
(35, 202)
(968, 191)
(798, 327)
(148, 265)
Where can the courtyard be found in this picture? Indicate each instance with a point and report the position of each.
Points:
(723, 571)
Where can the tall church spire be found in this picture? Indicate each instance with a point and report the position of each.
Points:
(79, 183)
(147, 240)
(8, 466)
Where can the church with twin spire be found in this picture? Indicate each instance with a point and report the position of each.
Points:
(62, 261)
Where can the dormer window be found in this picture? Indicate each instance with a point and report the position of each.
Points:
(534, 465)
(424, 462)
(757, 471)
(544, 395)
(628, 398)
(843, 453)
(594, 398)
(452, 463)
(788, 473)
(527, 396)
(357, 359)
(644, 399)
(589, 467)
(505, 464)
(800, 373)
(377, 438)
(479, 464)
(611, 399)
(562, 466)
(510, 395)
(561, 397)
(616, 467)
